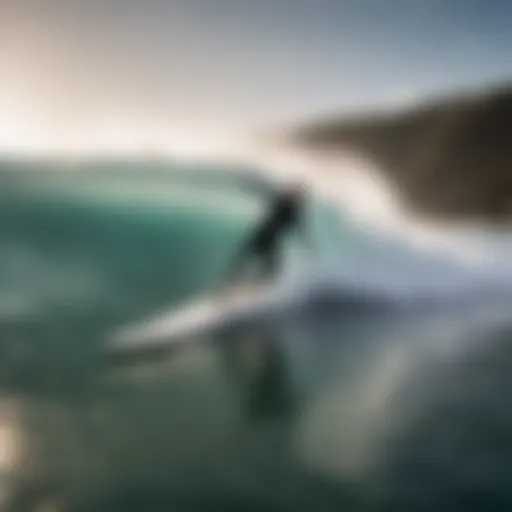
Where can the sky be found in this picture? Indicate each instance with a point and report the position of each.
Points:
(194, 75)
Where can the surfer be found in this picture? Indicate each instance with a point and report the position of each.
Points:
(262, 245)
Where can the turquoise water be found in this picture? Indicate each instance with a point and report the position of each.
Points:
(342, 411)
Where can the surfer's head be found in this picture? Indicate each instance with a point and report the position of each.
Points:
(297, 190)
(293, 186)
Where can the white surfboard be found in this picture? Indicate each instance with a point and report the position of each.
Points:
(243, 305)
(202, 317)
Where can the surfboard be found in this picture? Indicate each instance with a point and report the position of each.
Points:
(204, 316)
(244, 305)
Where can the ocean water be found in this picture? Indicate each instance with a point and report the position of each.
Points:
(347, 407)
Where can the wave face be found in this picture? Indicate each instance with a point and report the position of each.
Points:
(113, 231)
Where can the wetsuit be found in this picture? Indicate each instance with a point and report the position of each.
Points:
(263, 243)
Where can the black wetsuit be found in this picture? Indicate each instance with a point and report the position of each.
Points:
(263, 242)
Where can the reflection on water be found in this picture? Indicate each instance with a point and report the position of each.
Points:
(207, 430)
(329, 411)
(246, 424)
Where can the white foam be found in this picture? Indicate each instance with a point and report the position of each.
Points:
(405, 248)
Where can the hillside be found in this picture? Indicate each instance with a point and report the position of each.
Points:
(449, 158)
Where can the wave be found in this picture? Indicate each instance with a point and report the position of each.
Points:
(35, 283)
(365, 240)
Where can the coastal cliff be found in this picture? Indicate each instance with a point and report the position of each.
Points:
(450, 157)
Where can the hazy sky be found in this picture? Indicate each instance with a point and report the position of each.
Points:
(196, 72)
